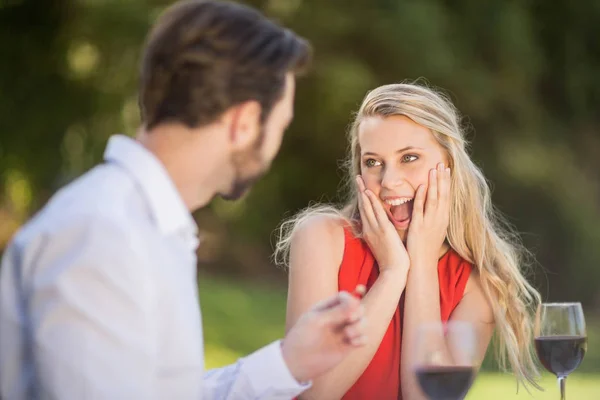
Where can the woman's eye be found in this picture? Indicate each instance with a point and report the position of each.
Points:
(409, 158)
(372, 163)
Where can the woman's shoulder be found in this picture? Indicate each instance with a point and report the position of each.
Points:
(317, 245)
(320, 231)
(327, 228)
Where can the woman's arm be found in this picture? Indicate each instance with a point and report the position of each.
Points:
(422, 305)
(476, 309)
(422, 300)
(316, 254)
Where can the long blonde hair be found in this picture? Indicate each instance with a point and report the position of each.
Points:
(477, 232)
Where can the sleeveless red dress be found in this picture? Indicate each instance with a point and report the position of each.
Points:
(381, 379)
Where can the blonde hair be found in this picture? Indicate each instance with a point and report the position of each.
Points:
(477, 232)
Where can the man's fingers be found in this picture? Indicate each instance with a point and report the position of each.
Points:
(344, 316)
(358, 293)
(355, 332)
(341, 299)
(355, 327)
(328, 303)
(359, 341)
(347, 311)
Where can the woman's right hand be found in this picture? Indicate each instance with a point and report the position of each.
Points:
(379, 232)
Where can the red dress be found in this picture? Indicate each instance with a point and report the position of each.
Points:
(381, 379)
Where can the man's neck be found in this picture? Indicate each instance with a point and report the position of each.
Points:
(193, 163)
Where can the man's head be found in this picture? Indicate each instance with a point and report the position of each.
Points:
(223, 65)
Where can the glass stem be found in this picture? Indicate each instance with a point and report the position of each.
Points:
(561, 384)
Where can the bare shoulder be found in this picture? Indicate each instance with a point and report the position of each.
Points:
(316, 252)
(328, 227)
(318, 236)
(475, 298)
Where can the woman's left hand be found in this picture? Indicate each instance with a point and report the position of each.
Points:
(430, 217)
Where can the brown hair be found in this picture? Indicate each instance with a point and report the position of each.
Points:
(204, 56)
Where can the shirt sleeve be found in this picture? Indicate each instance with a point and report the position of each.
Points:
(91, 325)
(261, 375)
(90, 321)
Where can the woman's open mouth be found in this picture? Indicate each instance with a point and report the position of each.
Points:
(399, 211)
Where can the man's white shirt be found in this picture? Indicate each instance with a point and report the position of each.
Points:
(99, 298)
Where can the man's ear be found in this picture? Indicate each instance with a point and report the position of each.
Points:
(244, 124)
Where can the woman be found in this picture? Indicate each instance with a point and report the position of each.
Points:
(420, 232)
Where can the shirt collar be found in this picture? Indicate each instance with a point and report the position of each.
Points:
(166, 205)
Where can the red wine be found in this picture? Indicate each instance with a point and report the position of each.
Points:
(561, 355)
(445, 383)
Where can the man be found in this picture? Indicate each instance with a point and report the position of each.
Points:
(98, 295)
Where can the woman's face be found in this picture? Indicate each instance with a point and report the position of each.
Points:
(396, 157)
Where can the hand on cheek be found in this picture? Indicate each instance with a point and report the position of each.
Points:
(430, 218)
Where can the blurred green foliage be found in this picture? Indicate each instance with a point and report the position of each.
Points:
(524, 73)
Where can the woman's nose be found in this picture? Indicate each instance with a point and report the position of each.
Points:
(391, 178)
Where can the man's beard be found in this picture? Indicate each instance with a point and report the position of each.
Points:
(241, 186)
(243, 182)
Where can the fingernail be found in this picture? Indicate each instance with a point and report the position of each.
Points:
(448, 170)
(434, 172)
(441, 166)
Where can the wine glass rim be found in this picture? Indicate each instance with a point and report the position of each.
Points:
(561, 304)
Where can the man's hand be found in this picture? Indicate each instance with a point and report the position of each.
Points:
(324, 335)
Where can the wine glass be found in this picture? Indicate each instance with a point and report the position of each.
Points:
(560, 339)
(445, 359)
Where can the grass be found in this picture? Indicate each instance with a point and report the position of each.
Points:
(239, 318)
(495, 386)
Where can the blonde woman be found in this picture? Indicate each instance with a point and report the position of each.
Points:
(419, 231)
